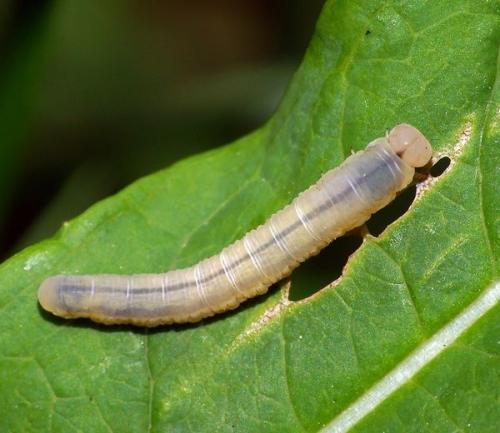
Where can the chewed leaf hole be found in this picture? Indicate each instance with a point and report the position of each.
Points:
(440, 166)
(327, 266)
(319, 271)
(394, 210)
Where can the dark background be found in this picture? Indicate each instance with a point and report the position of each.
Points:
(95, 94)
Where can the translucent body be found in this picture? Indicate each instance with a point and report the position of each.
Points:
(342, 199)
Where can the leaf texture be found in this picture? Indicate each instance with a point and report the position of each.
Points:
(276, 365)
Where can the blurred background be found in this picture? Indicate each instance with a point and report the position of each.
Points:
(95, 94)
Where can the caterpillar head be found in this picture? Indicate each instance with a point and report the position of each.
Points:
(410, 145)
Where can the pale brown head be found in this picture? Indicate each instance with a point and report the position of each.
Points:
(410, 144)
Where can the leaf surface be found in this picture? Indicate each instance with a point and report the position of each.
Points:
(274, 365)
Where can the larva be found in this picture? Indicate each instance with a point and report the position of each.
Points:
(341, 200)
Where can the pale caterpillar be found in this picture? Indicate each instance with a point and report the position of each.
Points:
(341, 200)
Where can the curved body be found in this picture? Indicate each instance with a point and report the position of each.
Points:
(341, 200)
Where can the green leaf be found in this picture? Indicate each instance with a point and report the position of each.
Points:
(276, 365)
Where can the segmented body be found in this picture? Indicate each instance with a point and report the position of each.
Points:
(341, 200)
